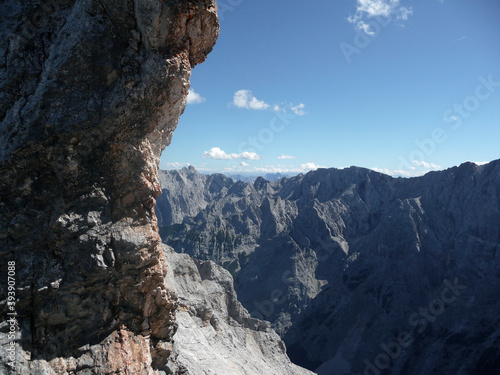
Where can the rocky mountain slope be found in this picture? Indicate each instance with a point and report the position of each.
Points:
(215, 334)
(91, 92)
(359, 272)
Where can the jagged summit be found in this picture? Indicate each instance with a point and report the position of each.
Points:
(274, 177)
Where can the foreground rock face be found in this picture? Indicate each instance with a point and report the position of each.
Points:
(91, 92)
(215, 334)
(359, 272)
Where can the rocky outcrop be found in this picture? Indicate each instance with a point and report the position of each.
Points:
(91, 91)
(215, 334)
(362, 273)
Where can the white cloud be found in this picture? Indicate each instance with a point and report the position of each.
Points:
(275, 169)
(306, 167)
(480, 162)
(404, 13)
(246, 155)
(426, 165)
(377, 8)
(194, 98)
(396, 172)
(299, 109)
(410, 172)
(218, 154)
(245, 99)
(283, 156)
(174, 165)
(365, 27)
(310, 166)
(263, 169)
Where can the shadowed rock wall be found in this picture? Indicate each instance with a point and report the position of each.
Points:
(90, 94)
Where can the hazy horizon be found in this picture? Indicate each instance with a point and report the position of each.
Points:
(253, 175)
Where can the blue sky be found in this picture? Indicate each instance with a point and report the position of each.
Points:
(403, 87)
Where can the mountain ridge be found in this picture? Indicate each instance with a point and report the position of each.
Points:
(299, 246)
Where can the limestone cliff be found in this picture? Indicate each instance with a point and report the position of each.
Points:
(90, 93)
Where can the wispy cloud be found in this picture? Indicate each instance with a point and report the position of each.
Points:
(375, 8)
(396, 172)
(303, 168)
(404, 13)
(173, 165)
(194, 98)
(245, 99)
(310, 166)
(283, 156)
(362, 25)
(263, 169)
(366, 9)
(426, 165)
(422, 167)
(218, 154)
(298, 109)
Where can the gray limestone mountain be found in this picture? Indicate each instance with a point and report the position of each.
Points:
(358, 272)
(215, 334)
